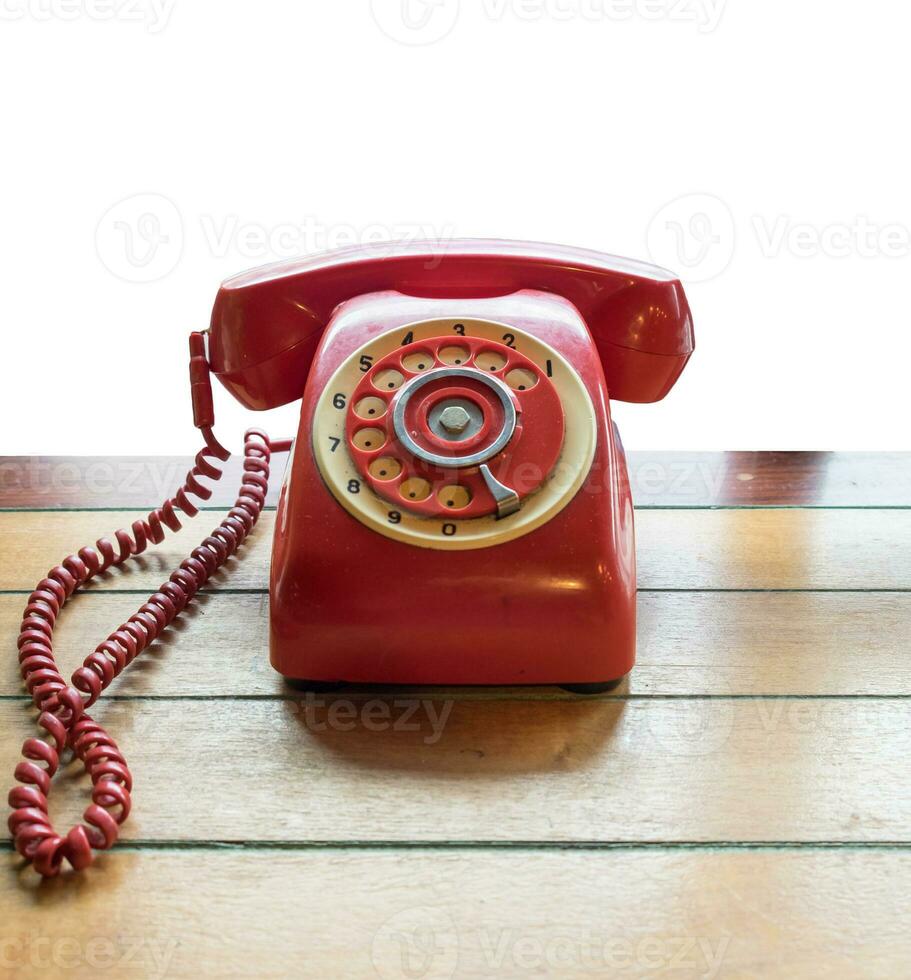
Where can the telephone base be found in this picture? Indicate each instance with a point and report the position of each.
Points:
(328, 687)
(451, 604)
(602, 688)
(314, 687)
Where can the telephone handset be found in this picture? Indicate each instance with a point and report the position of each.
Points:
(456, 509)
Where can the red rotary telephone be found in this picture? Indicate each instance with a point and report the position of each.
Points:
(456, 509)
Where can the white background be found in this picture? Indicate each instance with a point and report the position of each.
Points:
(758, 148)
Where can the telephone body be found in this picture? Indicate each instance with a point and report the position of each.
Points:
(457, 508)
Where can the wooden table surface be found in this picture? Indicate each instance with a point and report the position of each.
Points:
(739, 808)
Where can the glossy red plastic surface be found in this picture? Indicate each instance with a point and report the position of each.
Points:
(266, 324)
(556, 605)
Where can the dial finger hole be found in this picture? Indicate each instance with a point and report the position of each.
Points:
(415, 489)
(388, 380)
(422, 360)
(454, 497)
(454, 355)
(521, 379)
(369, 439)
(385, 468)
(490, 360)
(370, 408)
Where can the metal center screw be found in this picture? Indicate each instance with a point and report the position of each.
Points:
(454, 418)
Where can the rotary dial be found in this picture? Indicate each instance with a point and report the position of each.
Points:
(454, 434)
(468, 429)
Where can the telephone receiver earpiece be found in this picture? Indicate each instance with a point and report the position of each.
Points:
(266, 324)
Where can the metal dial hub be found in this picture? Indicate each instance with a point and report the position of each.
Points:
(492, 424)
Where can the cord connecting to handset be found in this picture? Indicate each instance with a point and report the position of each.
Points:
(62, 706)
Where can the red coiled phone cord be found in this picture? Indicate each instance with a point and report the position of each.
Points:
(62, 706)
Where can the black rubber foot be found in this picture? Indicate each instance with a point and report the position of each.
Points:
(314, 687)
(601, 688)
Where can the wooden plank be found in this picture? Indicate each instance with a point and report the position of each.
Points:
(680, 756)
(690, 643)
(468, 914)
(658, 479)
(32, 543)
(404, 768)
(763, 479)
(694, 549)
